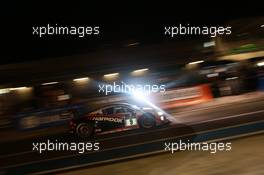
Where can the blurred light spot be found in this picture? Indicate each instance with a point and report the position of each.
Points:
(4, 91)
(262, 25)
(260, 64)
(232, 78)
(219, 70)
(84, 79)
(139, 72)
(209, 44)
(49, 83)
(160, 113)
(212, 75)
(138, 95)
(19, 88)
(63, 97)
(112, 75)
(196, 62)
(133, 44)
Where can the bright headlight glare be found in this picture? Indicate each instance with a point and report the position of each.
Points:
(160, 113)
(139, 95)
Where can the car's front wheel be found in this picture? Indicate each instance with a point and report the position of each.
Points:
(85, 130)
(147, 121)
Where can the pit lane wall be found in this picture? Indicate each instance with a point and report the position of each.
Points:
(185, 96)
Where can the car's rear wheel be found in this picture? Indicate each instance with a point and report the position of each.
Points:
(147, 121)
(85, 130)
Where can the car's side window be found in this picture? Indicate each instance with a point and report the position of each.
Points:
(108, 111)
(130, 111)
(124, 110)
(97, 112)
(120, 110)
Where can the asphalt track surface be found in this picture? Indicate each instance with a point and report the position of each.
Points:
(184, 122)
(245, 158)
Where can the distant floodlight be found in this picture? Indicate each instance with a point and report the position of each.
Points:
(49, 83)
(212, 75)
(111, 75)
(133, 44)
(262, 25)
(196, 62)
(140, 70)
(232, 78)
(19, 88)
(209, 44)
(81, 79)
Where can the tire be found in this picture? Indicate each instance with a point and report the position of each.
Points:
(85, 130)
(147, 121)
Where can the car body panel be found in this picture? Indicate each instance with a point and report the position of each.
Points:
(116, 118)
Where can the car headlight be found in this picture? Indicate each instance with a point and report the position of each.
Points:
(160, 113)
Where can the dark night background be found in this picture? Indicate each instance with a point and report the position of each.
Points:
(118, 25)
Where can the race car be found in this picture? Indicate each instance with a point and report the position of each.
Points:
(116, 118)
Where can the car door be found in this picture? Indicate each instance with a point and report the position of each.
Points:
(110, 120)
